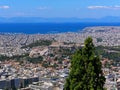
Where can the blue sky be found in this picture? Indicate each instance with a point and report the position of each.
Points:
(59, 8)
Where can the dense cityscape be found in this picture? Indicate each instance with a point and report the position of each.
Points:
(42, 61)
(106, 36)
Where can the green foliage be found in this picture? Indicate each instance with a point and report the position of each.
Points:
(55, 65)
(19, 57)
(13, 88)
(2, 57)
(112, 53)
(16, 57)
(35, 60)
(99, 40)
(45, 64)
(39, 43)
(22, 58)
(85, 71)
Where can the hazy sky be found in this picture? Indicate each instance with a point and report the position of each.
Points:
(60, 8)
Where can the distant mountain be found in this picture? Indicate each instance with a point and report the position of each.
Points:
(38, 19)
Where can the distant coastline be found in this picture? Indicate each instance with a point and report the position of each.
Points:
(105, 36)
(48, 28)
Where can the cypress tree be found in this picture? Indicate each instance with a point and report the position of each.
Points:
(85, 72)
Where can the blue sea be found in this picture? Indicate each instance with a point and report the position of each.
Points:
(45, 28)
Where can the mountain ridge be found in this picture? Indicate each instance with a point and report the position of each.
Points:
(108, 19)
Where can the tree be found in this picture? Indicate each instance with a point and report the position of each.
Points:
(14, 88)
(85, 72)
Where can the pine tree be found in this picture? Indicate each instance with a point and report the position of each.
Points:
(85, 72)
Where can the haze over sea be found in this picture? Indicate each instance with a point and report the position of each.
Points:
(45, 28)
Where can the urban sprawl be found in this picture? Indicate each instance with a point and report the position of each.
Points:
(51, 61)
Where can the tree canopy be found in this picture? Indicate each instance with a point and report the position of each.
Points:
(85, 72)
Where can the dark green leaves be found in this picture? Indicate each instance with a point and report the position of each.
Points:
(85, 71)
